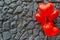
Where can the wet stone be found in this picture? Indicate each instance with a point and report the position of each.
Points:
(15, 17)
(1, 3)
(1, 16)
(1, 30)
(18, 35)
(13, 24)
(6, 35)
(30, 31)
(10, 11)
(27, 0)
(5, 9)
(54, 0)
(37, 0)
(14, 0)
(6, 25)
(37, 38)
(6, 16)
(58, 20)
(1, 8)
(13, 5)
(7, 1)
(1, 37)
(35, 32)
(58, 25)
(30, 25)
(31, 37)
(19, 2)
(13, 31)
(24, 36)
(58, 37)
(18, 9)
(41, 35)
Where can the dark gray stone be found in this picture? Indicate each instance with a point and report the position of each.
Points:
(37, 0)
(9, 15)
(23, 30)
(5, 9)
(18, 9)
(28, 19)
(58, 37)
(19, 2)
(35, 32)
(30, 5)
(57, 5)
(7, 1)
(24, 36)
(30, 32)
(15, 17)
(31, 37)
(13, 35)
(22, 14)
(1, 8)
(19, 28)
(30, 25)
(6, 16)
(52, 38)
(0, 24)
(37, 38)
(58, 25)
(18, 35)
(1, 3)
(41, 35)
(1, 30)
(13, 31)
(10, 11)
(27, 0)
(6, 35)
(12, 5)
(1, 16)
(6, 25)
(29, 14)
(58, 20)
(1, 37)
(13, 24)
(14, 0)
(35, 6)
(38, 27)
(24, 23)
(20, 25)
(54, 0)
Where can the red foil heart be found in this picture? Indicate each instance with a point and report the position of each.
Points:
(46, 11)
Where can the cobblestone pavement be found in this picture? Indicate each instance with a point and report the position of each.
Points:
(17, 21)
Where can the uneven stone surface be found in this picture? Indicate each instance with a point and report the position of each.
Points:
(17, 20)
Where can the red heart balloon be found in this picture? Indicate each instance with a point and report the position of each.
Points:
(55, 31)
(50, 30)
(46, 8)
(48, 26)
(53, 15)
(40, 18)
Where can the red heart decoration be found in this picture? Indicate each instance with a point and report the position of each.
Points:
(50, 30)
(46, 8)
(53, 15)
(47, 12)
(40, 18)
(48, 26)
(55, 31)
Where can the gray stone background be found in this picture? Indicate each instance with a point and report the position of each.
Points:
(17, 21)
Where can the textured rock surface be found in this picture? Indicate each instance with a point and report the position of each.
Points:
(17, 21)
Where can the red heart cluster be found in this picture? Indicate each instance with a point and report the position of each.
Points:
(46, 16)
